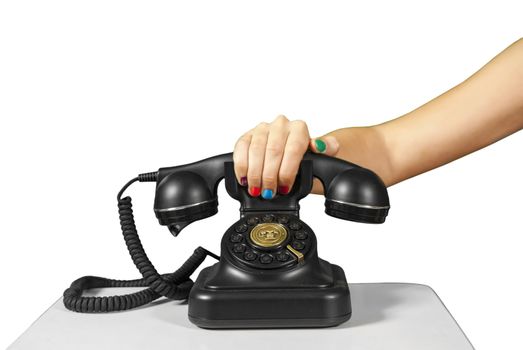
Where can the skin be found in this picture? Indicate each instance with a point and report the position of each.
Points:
(483, 109)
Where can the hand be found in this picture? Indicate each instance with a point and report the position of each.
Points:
(267, 158)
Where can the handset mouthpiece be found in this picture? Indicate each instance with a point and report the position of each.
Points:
(181, 198)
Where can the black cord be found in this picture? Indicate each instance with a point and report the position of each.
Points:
(176, 285)
(119, 195)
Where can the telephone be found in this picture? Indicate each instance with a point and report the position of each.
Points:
(269, 274)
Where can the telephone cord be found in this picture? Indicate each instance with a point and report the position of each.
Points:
(176, 285)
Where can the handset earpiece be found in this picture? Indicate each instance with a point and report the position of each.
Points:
(351, 192)
(357, 194)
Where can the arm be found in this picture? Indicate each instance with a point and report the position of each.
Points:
(483, 109)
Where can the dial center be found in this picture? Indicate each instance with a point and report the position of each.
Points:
(268, 235)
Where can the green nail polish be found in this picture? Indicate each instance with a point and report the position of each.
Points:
(320, 145)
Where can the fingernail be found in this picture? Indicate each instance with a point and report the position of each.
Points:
(283, 189)
(320, 145)
(267, 194)
(254, 191)
(243, 181)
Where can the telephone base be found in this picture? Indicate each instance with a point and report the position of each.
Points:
(270, 307)
(269, 323)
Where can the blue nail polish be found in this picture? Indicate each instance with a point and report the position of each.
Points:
(267, 194)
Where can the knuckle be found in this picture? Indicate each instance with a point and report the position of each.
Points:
(237, 159)
(281, 119)
(269, 181)
(256, 147)
(253, 178)
(299, 125)
(274, 151)
(245, 137)
(299, 122)
(242, 141)
(286, 177)
(296, 149)
(262, 126)
(240, 167)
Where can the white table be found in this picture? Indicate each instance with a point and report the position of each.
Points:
(385, 316)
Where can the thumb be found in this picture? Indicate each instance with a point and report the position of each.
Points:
(326, 145)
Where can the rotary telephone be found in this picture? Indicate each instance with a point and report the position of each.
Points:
(269, 274)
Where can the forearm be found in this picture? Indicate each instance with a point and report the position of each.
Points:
(480, 111)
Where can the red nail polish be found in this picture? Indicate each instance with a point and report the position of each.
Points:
(243, 181)
(255, 191)
(283, 189)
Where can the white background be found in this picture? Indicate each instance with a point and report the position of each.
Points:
(94, 92)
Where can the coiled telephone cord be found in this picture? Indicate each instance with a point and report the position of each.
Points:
(176, 285)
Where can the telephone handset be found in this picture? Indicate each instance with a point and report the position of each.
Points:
(269, 273)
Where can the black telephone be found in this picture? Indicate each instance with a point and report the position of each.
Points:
(269, 274)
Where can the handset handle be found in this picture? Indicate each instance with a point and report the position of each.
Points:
(279, 203)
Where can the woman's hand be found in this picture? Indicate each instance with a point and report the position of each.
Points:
(267, 158)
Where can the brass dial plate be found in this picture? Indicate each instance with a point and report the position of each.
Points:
(268, 235)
